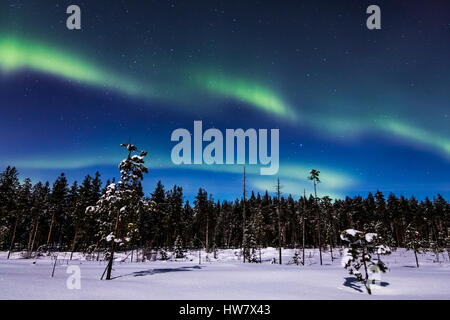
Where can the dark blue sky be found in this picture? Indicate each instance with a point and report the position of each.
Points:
(369, 109)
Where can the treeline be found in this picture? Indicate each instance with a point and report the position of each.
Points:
(54, 217)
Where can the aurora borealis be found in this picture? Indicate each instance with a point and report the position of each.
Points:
(369, 109)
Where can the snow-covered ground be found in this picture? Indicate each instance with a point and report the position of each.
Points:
(223, 278)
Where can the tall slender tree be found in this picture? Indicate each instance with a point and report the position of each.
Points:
(279, 220)
(244, 224)
(314, 176)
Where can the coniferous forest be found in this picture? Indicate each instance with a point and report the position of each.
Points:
(85, 216)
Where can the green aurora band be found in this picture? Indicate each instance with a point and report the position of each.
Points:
(17, 54)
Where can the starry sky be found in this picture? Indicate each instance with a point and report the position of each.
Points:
(368, 108)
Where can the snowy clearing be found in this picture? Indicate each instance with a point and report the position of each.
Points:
(223, 278)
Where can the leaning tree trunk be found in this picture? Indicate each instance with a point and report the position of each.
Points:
(34, 237)
(30, 237)
(417, 261)
(50, 230)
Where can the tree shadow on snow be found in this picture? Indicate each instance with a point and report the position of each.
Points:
(412, 267)
(383, 284)
(150, 272)
(353, 283)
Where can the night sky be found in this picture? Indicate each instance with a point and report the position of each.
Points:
(368, 108)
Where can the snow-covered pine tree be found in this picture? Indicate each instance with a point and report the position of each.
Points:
(122, 203)
(251, 245)
(414, 242)
(296, 258)
(435, 240)
(259, 230)
(173, 223)
(178, 248)
(358, 256)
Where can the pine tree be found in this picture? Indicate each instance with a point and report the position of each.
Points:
(260, 231)
(58, 206)
(39, 209)
(123, 202)
(23, 202)
(187, 227)
(155, 222)
(173, 223)
(413, 241)
(178, 248)
(202, 217)
(9, 186)
(78, 204)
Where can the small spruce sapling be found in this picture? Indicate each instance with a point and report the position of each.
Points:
(296, 258)
(358, 256)
(178, 248)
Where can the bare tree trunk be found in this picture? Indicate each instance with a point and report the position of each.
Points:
(229, 237)
(34, 236)
(318, 223)
(13, 236)
(98, 250)
(244, 218)
(279, 220)
(332, 238)
(279, 235)
(73, 244)
(207, 233)
(331, 251)
(303, 224)
(50, 230)
(30, 237)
